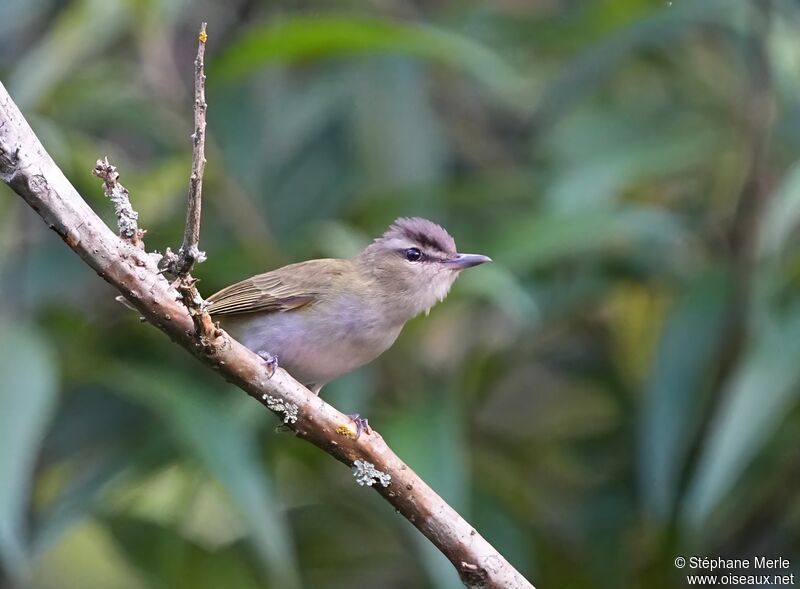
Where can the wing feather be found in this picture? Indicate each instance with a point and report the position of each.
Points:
(285, 289)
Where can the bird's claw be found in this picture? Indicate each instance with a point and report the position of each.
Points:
(361, 423)
(270, 360)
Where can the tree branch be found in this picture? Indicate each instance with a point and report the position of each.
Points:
(189, 253)
(31, 173)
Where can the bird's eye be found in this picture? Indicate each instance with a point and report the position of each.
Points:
(413, 254)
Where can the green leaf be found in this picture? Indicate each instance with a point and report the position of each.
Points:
(782, 216)
(27, 399)
(227, 447)
(754, 403)
(299, 39)
(170, 560)
(77, 501)
(602, 59)
(84, 27)
(601, 154)
(430, 433)
(538, 241)
(497, 284)
(18, 15)
(688, 343)
(88, 558)
(394, 111)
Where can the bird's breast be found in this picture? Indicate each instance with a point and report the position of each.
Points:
(319, 343)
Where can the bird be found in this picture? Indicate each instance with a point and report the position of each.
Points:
(321, 319)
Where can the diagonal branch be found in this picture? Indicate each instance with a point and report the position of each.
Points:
(29, 170)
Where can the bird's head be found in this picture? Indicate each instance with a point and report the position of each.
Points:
(414, 263)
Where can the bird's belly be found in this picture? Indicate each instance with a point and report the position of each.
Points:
(312, 351)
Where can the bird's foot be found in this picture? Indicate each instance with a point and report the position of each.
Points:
(361, 423)
(270, 360)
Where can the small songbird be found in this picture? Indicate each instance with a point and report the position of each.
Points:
(325, 318)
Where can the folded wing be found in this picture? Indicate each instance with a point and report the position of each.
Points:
(285, 289)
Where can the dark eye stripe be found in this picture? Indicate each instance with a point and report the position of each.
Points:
(423, 256)
(427, 241)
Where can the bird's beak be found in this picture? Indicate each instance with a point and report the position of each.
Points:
(462, 261)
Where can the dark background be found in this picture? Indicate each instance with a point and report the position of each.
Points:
(617, 389)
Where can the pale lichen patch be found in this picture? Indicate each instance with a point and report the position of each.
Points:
(289, 410)
(367, 475)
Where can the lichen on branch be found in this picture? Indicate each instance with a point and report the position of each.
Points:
(127, 217)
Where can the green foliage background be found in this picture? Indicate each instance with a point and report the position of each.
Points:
(617, 389)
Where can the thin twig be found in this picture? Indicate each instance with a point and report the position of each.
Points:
(189, 250)
(189, 253)
(127, 218)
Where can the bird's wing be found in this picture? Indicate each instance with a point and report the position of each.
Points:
(284, 289)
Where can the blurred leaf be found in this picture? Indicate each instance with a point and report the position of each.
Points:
(667, 25)
(541, 240)
(170, 560)
(784, 54)
(755, 402)
(84, 493)
(18, 14)
(637, 314)
(338, 240)
(498, 285)
(669, 414)
(227, 447)
(84, 27)
(212, 521)
(537, 404)
(401, 142)
(27, 399)
(315, 37)
(160, 190)
(602, 154)
(504, 532)
(85, 558)
(269, 124)
(782, 216)
(430, 430)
